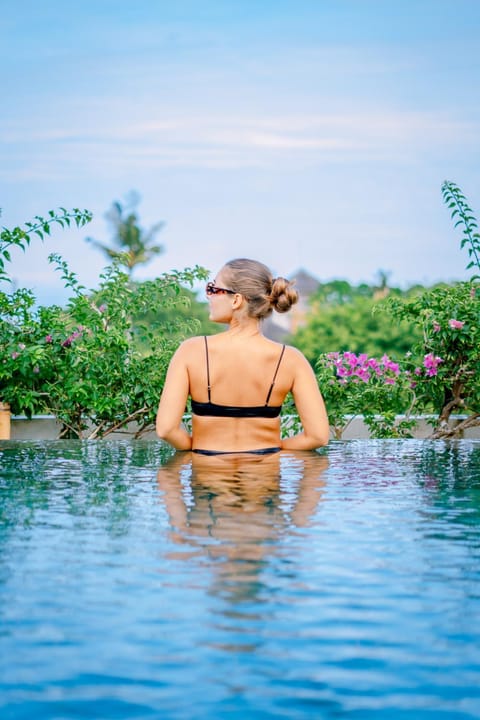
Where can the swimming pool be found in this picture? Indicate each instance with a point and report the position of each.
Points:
(343, 584)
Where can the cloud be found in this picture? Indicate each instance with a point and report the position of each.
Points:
(215, 140)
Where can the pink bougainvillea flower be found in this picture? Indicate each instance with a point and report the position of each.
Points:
(431, 363)
(436, 327)
(48, 338)
(456, 324)
(389, 365)
(350, 358)
(373, 365)
(363, 374)
(431, 360)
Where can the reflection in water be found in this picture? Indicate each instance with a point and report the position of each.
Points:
(232, 510)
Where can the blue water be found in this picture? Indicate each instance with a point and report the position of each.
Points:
(343, 584)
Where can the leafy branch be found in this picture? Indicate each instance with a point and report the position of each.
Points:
(21, 237)
(456, 201)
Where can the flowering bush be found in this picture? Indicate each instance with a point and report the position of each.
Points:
(88, 364)
(449, 317)
(377, 389)
(91, 364)
(23, 351)
(447, 380)
(441, 373)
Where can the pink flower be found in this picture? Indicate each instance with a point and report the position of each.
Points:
(436, 327)
(373, 365)
(456, 324)
(350, 358)
(36, 369)
(431, 360)
(418, 371)
(362, 374)
(48, 338)
(389, 381)
(431, 363)
(390, 365)
(15, 355)
(75, 334)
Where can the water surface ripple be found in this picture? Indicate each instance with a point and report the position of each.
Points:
(138, 583)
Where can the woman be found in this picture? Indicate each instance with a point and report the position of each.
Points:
(238, 379)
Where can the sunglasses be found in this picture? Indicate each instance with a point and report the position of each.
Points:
(212, 289)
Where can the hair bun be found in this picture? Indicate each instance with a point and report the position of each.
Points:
(283, 294)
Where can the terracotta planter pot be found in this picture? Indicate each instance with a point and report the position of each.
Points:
(5, 425)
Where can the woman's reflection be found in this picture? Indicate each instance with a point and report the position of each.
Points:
(234, 509)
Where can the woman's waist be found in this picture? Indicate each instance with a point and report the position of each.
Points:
(235, 434)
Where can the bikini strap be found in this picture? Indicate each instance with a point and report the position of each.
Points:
(208, 367)
(275, 375)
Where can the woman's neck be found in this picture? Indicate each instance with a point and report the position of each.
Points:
(245, 326)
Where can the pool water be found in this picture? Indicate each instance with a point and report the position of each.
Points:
(139, 583)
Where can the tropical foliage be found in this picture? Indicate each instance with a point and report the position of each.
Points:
(99, 362)
(21, 237)
(94, 364)
(131, 245)
(87, 364)
(352, 325)
(438, 375)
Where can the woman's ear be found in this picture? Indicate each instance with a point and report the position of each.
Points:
(237, 301)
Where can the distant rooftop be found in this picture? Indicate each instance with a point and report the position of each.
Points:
(305, 283)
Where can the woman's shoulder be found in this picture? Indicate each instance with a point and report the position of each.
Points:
(295, 356)
(289, 354)
(191, 344)
(194, 344)
(290, 350)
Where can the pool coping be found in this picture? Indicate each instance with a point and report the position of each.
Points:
(46, 427)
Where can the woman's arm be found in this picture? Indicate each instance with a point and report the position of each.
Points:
(173, 402)
(311, 409)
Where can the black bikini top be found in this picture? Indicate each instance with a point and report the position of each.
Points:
(240, 411)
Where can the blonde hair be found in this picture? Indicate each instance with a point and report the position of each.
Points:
(263, 293)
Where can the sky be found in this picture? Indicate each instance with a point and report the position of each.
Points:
(309, 134)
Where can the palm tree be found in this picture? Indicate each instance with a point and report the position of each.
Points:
(131, 245)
